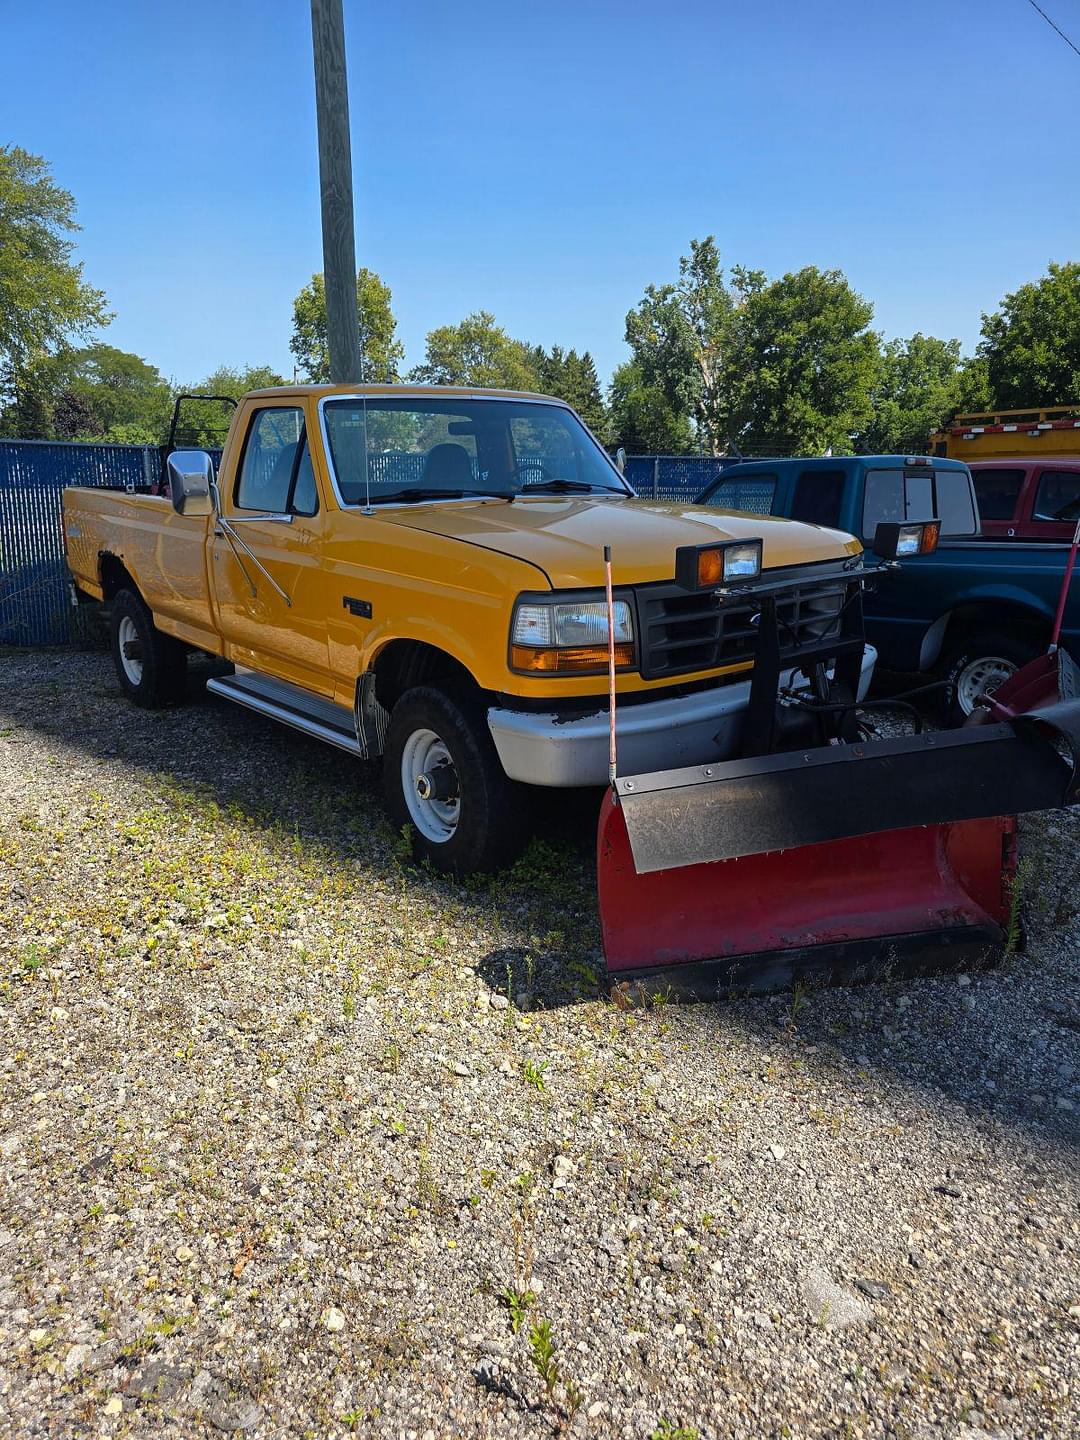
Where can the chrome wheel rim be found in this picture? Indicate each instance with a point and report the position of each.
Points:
(981, 677)
(130, 646)
(426, 768)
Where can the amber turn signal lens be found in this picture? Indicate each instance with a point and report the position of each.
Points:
(710, 568)
(551, 661)
(929, 541)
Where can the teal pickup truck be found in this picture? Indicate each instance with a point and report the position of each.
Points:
(971, 612)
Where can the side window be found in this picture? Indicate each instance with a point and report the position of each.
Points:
(544, 449)
(955, 509)
(752, 494)
(817, 497)
(1058, 496)
(275, 473)
(997, 492)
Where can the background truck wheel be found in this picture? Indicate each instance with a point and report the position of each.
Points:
(981, 661)
(444, 781)
(150, 665)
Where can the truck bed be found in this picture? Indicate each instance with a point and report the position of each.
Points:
(164, 552)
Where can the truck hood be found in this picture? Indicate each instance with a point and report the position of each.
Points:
(565, 536)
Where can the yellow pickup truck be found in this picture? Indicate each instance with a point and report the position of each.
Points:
(417, 573)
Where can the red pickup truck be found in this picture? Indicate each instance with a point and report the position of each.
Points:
(1028, 499)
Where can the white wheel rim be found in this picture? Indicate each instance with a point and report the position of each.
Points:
(128, 639)
(981, 677)
(437, 820)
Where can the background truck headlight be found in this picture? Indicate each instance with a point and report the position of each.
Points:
(569, 636)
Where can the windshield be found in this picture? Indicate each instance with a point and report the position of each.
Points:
(430, 448)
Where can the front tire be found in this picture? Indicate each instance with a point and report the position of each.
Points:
(977, 663)
(443, 781)
(150, 665)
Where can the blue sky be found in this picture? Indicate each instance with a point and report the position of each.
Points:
(548, 160)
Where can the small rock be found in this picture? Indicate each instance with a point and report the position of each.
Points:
(915, 1259)
(950, 1190)
(963, 981)
(831, 1305)
(235, 1415)
(596, 1409)
(458, 1068)
(1063, 1103)
(113, 1406)
(777, 1152)
(76, 1358)
(875, 1289)
(333, 1318)
(184, 1253)
(563, 1166)
(762, 1321)
(500, 1002)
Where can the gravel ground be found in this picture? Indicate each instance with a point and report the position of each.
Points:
(281, 1156)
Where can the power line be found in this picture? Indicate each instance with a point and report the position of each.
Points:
(1054, 27)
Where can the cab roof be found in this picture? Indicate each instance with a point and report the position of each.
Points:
(402, 392)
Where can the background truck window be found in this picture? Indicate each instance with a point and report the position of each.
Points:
(753, 494)
(893, 494)
(817, 497)
(270, 459)
(1058, 495)
(997, 492)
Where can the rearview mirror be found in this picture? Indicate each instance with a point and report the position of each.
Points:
(620, 460)
(895, 541)
(191, 482)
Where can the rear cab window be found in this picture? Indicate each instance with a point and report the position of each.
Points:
(275, 470)
(817, 497)
(897, 494)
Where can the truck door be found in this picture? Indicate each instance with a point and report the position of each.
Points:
(998, 490)
(267, 562)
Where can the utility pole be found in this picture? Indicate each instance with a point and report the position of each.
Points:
(335, 179)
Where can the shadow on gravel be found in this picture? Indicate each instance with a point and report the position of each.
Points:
(1004, 1044)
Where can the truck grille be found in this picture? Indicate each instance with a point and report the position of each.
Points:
(682, 632)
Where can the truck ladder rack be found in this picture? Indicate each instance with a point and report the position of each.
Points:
(293, 706)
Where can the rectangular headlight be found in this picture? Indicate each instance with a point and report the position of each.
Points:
(705, 567)
(894, 540)
(561, 636)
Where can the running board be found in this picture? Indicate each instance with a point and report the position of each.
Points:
(279, 700)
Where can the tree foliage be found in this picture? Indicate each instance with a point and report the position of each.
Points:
(380, 352)
(202, 423)
(1030, 346)
(641, 418)
(44, 300)
(801, 364)
(573, 378)
(477, 352)
(679, 334)
(918, 387)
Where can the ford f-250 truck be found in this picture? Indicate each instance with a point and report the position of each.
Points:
(417, 573)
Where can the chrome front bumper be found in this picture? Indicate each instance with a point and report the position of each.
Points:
(543, 748)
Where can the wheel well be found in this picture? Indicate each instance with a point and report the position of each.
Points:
(115, 576)
(1000, 615)
(403, 664)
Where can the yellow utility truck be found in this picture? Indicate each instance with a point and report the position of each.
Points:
(417, 573)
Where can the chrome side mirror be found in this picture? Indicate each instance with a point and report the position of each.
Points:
(191, 482)
(620, 460)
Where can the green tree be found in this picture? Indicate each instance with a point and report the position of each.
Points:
(573, 378)
(44, 300)
(380, 352)
(477, 352)
(917, 389)
(680, 334)
(1031, 344)
(103, 393)
(641, 418)
(801, 363)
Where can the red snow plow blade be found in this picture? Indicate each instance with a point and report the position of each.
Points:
(844, 862)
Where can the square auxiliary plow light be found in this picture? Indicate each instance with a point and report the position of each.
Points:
(708, 567)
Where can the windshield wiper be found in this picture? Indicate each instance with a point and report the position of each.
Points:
(563, 487)
(430, 493)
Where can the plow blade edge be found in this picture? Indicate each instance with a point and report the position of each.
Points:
(843, 862)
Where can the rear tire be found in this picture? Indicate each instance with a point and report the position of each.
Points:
(978, 661)
(443, 780)
(150, 665)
